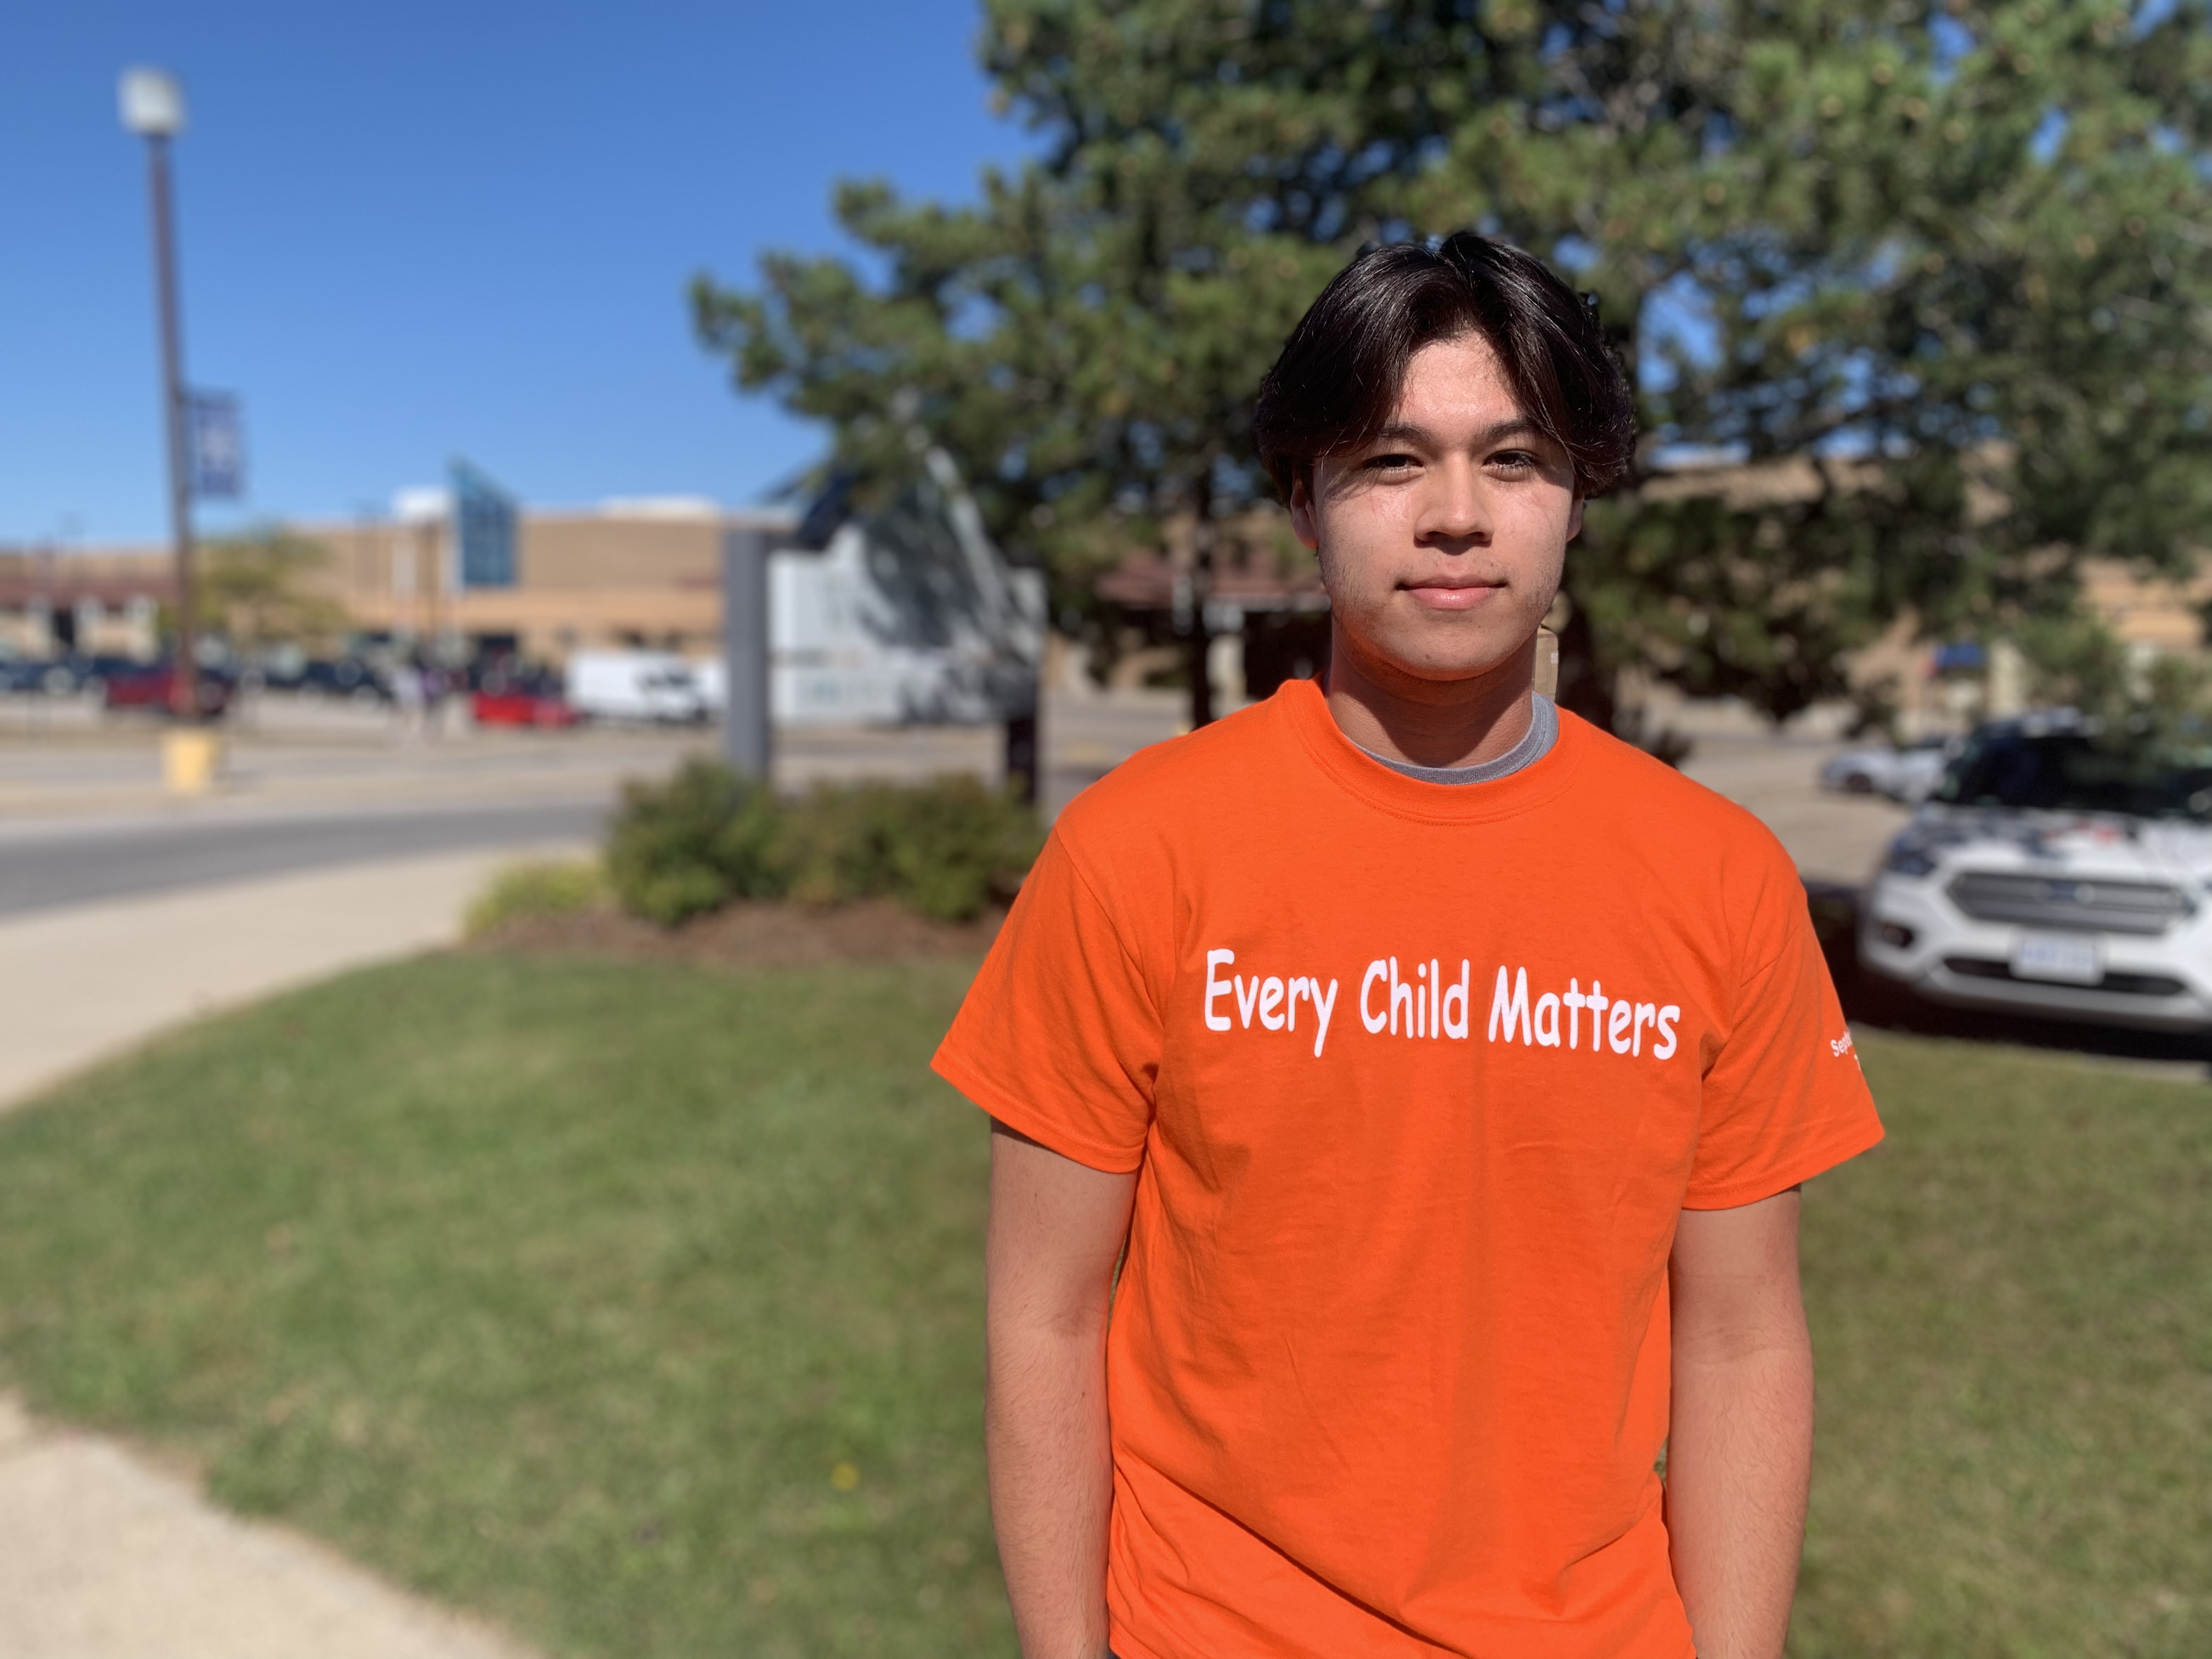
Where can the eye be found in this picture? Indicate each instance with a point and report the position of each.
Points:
(1394, 461)
(1514, 462)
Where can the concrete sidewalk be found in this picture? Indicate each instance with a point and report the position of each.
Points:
(80, 984)
(101, 1555)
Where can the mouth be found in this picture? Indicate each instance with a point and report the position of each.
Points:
(1453, 593)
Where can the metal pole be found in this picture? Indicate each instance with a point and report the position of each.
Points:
(1201, 597)
(745, 730)
(1021, 755)
(184, 684)
(1025, 738)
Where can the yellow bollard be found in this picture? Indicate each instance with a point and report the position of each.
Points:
(192, 758)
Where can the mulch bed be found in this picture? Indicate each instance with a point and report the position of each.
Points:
(754, 935)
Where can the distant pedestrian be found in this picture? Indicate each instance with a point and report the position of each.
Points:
(436, 683)
(409, 695)
(1401, 1090)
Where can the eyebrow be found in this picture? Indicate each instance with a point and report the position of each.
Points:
(1407, 432)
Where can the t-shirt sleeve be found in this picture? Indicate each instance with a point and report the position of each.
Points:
(1060, 1036)
(1785, 1099)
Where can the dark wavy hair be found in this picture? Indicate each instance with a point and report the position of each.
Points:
(1341, 372)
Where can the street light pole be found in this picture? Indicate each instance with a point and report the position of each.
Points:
(153, 106)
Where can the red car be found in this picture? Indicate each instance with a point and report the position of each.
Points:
(153, 688)
(513, 706)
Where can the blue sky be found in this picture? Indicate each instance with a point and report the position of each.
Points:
(413, 231)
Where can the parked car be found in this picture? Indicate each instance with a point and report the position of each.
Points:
(522, 698)
(62, 676)
(352, 678)
(33, 674)
(91, 671)
(712, 676)
(635, 685)
(1907, 773)
(2054, 873)
(151, 687)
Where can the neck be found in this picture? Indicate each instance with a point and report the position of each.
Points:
(1459, 722)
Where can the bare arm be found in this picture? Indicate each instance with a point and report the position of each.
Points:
(1739, 1450)
(1056, 1230)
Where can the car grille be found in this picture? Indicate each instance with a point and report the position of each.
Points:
(2061, 902)
(2133, 985)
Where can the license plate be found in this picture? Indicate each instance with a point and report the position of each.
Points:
(2065, 961)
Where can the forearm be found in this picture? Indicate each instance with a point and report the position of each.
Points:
(1739, 1466)
(1055, 1232)
(1052, 1479)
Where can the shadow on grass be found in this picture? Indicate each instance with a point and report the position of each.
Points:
(1870, 999)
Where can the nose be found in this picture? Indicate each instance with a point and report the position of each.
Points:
(1455, 514)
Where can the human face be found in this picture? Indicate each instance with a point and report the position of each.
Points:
(1442, 542)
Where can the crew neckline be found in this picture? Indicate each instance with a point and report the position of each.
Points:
(1362, 774)
(1532, 746)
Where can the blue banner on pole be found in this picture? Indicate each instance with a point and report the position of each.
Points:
(217, 439)
(483, 523)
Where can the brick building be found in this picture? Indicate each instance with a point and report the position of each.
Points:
(643, 573)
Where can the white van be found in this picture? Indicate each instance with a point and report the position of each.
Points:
(712, 676)
(635, 685)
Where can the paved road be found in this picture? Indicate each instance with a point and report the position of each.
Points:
(83, 820)
(296, 807)
(47, 866)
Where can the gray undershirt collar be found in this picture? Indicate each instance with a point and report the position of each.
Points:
(1536, 743)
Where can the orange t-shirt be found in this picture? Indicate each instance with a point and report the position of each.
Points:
(1416, 1078)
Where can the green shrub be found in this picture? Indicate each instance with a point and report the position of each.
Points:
(663, 860)
(546, 888)
(750, 847)
(945, 849)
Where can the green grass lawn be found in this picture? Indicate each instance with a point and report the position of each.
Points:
(2012, 1307)
(638, 1306)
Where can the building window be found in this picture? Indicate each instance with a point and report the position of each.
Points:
(483, 522)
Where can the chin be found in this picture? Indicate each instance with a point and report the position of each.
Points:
(1444, 666)
(1435, 649)
(1444, 673)
(1449, 652)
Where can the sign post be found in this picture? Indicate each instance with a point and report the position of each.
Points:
(747, 736)
(1025, 746)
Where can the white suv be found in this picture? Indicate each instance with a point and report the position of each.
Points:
(1906, 774)
(2052, 873)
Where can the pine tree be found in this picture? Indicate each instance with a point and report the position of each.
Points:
(1940, 276)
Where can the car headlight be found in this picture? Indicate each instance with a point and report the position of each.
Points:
(1906, 859)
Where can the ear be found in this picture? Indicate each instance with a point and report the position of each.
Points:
(1575, 517)
(1305, 523)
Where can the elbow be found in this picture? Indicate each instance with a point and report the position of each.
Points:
(1779, 1342)
(1019, 1314)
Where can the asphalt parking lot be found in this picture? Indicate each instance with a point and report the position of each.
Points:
(83, 815)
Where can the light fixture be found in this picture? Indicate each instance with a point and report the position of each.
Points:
(152, 103)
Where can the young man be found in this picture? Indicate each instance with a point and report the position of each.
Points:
(1446, 1070)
